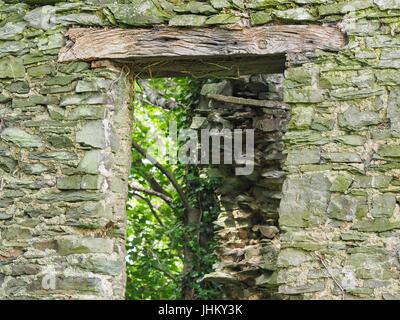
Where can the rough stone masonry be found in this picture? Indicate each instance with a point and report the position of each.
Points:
(65, 149)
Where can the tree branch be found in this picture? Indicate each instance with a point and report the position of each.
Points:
(155, 185)
(167, 274)
(155, 214)
(160, 167)
(150, 96)
(168, 200)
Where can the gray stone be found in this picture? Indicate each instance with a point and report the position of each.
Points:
(138, 13)
(41, 71)
(62, 80)
(15, 286)
(292, 257)
(382, 41)
(306, 288)
(353, 236)
(391, 296)
(73, 67)
(84, 19)
(103, 264)
(76, 245)
(305, 95)
(89, 209)
(393, 110)
(5, 216)
(296, 14)
(4, 99)
(196, 7)
(390, 58)
(387, 77)
(305, 137)
(347, 157)
(25, 269)
(21, 138)
(69, 183)
(20, 87)
(60, 141)
(11, 29)
(91, 162)
(260, 17)
(301, 118)
(16, 233)
(56, 155)
(90, 112)
(7, 164)
(11, 67)
(74, 285)
(12, 47)
(92, 134)
(55, 41)
(93, 85)
(389, 151)
(344, 7)
(33, 101)
(35, 169)
(354, 119)
(223, 87)
(303, 156)
(375, 283)
(221, 4)
(383, 205)
(304, 76)
(58, 89)
(377, 182)
(92, 182)
(267, 124)
(41, 18)
(37, 57)
(387, 4)
(341, 184)
(376, 225)
(223, 18)
(80, 99)
(352, 140)
(188, 20)
(356, 93)
(70, 196)
(56, 113)
(344, 207)
(305, 200)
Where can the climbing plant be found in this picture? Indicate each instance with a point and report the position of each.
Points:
(158, 266)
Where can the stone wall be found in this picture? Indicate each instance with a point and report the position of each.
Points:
(340, 209)
(64, 160)
(64, 148)
(247, 227)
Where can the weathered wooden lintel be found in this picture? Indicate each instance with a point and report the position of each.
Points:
(93, 44)
(173, 50)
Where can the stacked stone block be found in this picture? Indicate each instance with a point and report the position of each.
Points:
(64, 147)
(247, 227)
(64, 161)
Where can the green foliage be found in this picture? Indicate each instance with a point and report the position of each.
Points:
(155, 252)
(201, 194)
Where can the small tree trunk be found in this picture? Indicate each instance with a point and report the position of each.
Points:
(192, 223)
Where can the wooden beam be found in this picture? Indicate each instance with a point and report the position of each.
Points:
(249, 102)
(135, 44)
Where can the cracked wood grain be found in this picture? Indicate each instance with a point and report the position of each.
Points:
(169, 43)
